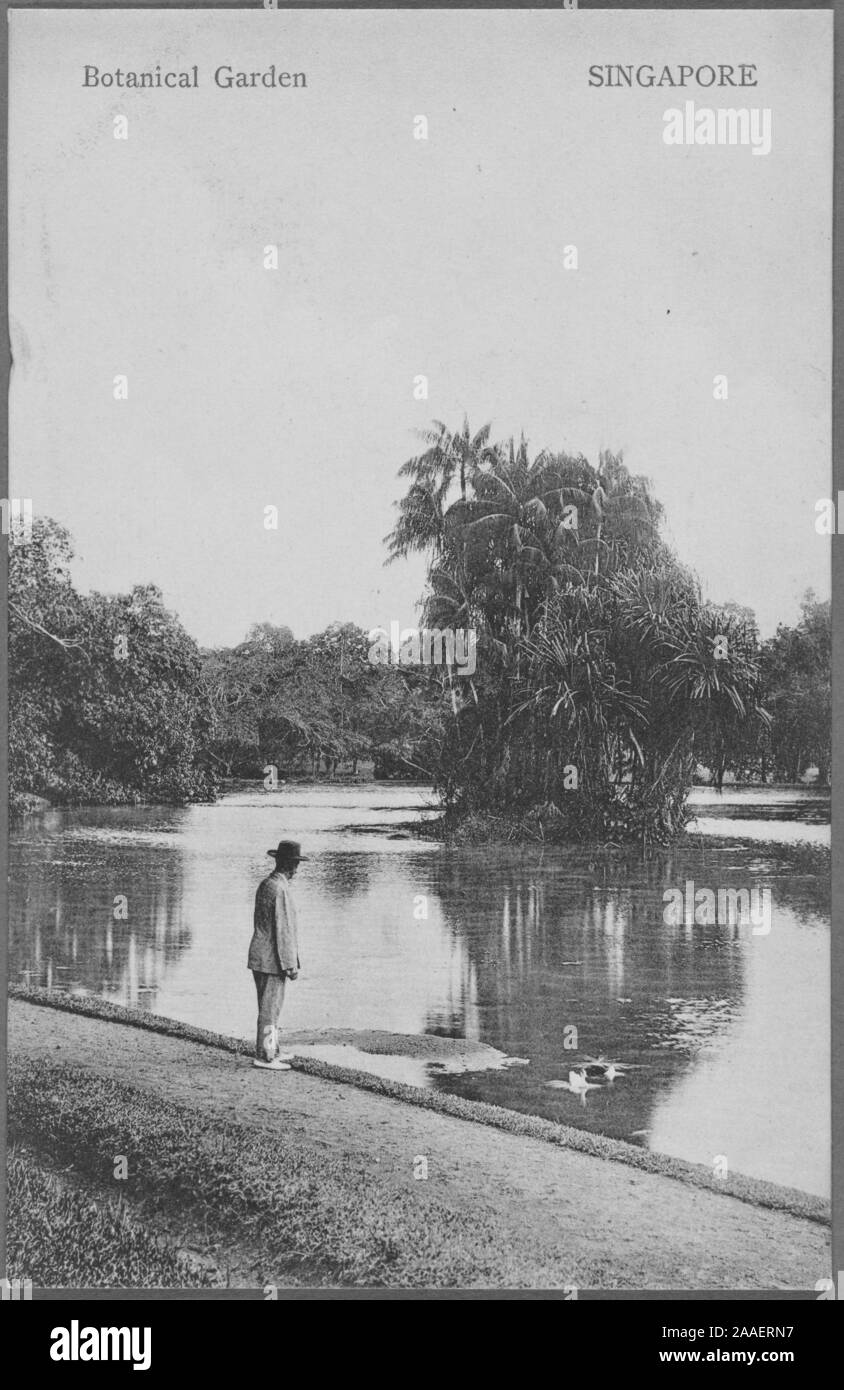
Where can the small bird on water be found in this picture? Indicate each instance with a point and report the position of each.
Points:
(577, 1083)
(610, 1069)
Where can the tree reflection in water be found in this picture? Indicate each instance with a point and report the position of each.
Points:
(515, 948)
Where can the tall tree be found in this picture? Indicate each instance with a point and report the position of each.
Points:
(598, 665)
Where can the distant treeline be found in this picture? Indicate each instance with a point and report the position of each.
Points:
(319, 706)
(600, 669)
(111, 701)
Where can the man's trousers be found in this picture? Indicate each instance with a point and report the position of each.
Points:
(270, 990)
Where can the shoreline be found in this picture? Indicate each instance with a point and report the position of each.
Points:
(484, 830)
(755, 1192)
(143, 1159)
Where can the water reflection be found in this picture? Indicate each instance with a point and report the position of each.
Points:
(68, 929)
(516, 949)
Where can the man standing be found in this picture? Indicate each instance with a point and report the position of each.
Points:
(274, 951)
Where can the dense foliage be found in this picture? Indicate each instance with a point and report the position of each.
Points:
(603, 677)
(796, 684)
(105, 699)
(315, 705)
(603, 680)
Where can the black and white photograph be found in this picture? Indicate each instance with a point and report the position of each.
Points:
(419, 526)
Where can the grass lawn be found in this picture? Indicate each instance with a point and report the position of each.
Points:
(59, 1237)
(263, 1208)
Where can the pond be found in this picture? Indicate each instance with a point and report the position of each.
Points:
(546, 956)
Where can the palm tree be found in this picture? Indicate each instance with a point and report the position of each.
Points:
(425, 510)
(594, 645)
(519, 519)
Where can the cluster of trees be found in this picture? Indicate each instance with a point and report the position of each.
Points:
(106, 701)
(603, 677)
(111, 701)
(316, 705)
(602, 681)
(797, 689)
(795, 673)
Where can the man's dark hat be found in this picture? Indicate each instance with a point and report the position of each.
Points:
(288, 849)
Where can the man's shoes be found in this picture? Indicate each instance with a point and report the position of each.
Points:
(275, 1065)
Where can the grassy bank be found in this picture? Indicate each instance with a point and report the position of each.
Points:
(752, 1190)
(59, 1236)
(267, 1207)
(309, 1178)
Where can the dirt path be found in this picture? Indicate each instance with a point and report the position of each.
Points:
(644, 1230)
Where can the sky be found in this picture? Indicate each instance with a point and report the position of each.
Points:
(398, 257)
